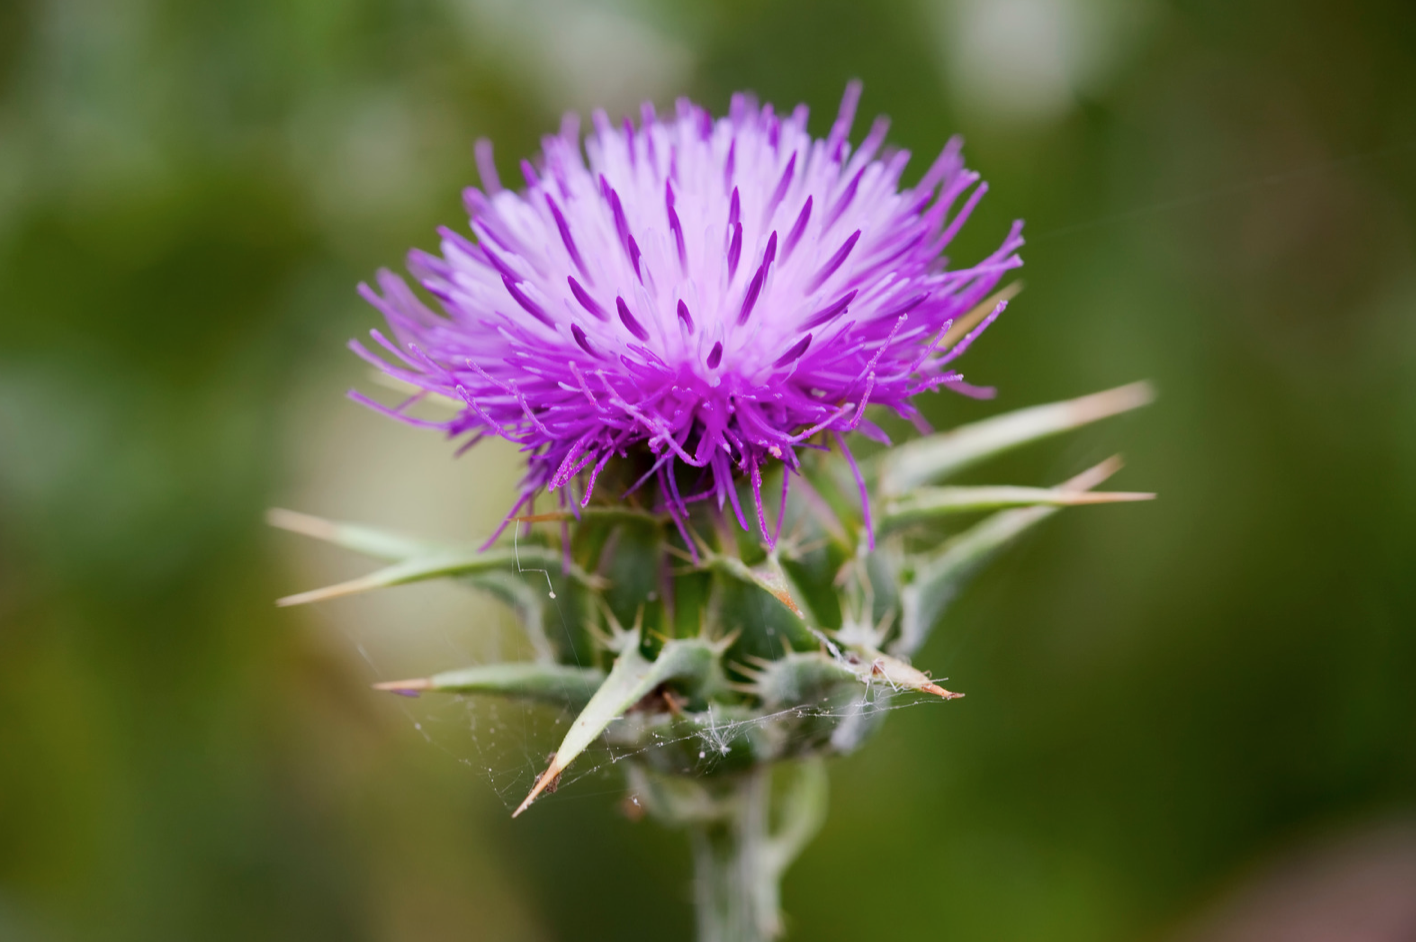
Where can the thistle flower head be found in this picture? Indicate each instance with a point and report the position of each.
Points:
(692, 302)
(714, 293)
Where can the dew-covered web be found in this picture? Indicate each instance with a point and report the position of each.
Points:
(507, 743)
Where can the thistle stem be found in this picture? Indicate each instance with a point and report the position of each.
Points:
(739, 861)
(736, 900)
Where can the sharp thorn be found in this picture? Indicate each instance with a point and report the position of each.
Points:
(328, 592)
(300, 523)
(1093, 476)
(406, 686)
(752, 673)
(543, 781)
(725, 642)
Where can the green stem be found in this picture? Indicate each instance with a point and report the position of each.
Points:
(730, 889)
(739, 861)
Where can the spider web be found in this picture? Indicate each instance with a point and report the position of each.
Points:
(508, 743)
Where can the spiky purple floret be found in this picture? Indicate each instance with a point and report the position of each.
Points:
(718, 292)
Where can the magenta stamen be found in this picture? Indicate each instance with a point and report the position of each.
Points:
(629, 321)
(864, 491)
(758, 278)
(832, 311)
(834, 262)
(780, 192)
(798, 228)
(796, 351)
(564, 229)
(581, 339)
(486, 166)
(585, 300)
(529, 306)
(676, 227)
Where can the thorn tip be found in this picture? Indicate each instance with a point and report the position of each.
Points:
(546, 779)
(405, 686)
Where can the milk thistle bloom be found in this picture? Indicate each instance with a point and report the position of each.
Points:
(720, 293)
(696, 317)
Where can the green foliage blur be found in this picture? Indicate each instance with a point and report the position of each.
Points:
(1220, 197)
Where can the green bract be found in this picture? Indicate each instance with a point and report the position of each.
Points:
(706, 666)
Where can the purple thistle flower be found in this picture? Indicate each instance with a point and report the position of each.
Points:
(718, 292)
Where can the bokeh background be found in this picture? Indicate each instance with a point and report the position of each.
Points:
(1193, 719)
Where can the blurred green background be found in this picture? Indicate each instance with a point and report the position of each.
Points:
(1166, 701)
